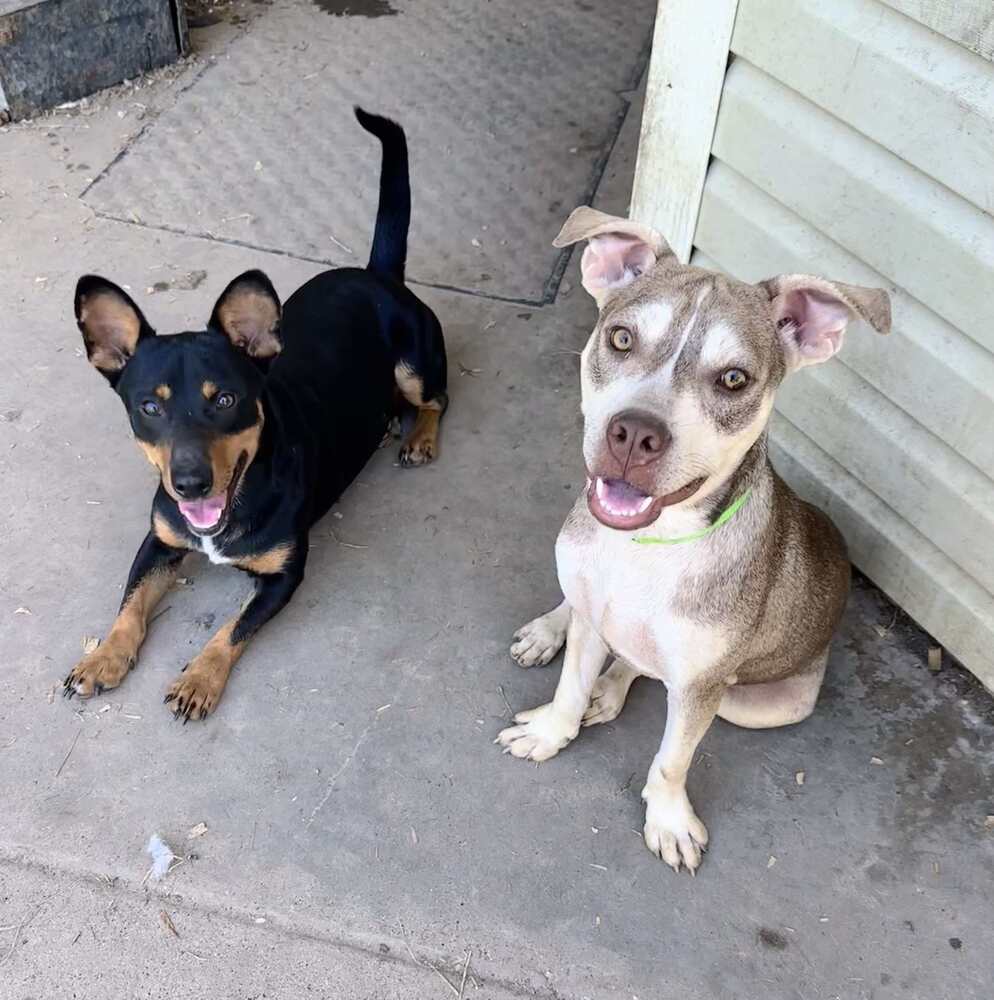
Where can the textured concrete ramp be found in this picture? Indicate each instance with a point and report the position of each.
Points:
(511, 111)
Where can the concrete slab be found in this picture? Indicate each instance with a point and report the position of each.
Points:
(121, 944)
(353, 799)
(510, 111)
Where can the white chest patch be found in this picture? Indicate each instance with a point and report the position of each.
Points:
(213, 553)
(629, 593)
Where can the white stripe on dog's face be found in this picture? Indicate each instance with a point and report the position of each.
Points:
(704, 361)
(639, 387)
(721, 348)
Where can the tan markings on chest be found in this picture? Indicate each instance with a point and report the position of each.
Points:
(168, 535)
(267, 563)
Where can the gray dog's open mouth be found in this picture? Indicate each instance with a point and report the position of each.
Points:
(616, 503)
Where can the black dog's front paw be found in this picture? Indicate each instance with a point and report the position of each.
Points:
(417, 452)
(98, 671)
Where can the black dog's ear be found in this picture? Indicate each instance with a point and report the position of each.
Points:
(249, 313)
(111, 324)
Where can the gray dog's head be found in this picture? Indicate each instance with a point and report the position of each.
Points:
(679, 375)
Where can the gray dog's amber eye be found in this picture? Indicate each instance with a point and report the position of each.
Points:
(622, 339)
(150, 408)
(224, 400)
(734, 379)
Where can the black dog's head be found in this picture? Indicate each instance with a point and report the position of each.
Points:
(194, 399)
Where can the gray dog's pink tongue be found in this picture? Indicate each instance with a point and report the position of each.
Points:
(621, 497)
(203, 513)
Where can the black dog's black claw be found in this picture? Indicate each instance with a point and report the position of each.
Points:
(168, 698)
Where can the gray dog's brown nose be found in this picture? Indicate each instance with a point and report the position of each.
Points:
(635, 438)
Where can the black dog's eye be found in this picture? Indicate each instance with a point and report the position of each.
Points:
(224, 400)
(734, 379)
(622, 339)
(151, 408)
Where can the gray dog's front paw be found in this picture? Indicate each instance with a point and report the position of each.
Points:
(672, 829)
(540, 734)
(537, 643)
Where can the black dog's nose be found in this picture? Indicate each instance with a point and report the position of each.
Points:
(637, 438)
(191, 473)
(192, 485)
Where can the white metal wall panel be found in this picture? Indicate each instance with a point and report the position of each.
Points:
(925, 581)
(893, 88)
(905, 225)
(913, 472)
(968, 22)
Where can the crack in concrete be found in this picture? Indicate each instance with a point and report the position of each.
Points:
(331, 782)
(245, 245)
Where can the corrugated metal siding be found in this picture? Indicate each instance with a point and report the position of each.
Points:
(970, 23)
(854, 142)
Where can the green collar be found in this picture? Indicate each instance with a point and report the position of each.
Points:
(726, 515)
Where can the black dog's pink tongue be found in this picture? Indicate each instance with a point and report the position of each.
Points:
(203, 513)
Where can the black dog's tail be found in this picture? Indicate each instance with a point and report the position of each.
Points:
(393, 216)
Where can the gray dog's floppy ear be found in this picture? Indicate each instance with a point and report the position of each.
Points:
(811, 314)
(111, 324)
(249, 313)
(618, 252)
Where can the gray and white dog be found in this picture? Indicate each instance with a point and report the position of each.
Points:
(687, 559)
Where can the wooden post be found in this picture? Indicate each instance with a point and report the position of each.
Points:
(689, 55)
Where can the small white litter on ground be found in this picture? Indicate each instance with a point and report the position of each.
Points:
(162, 857)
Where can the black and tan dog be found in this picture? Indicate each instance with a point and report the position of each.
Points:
(259, 423)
